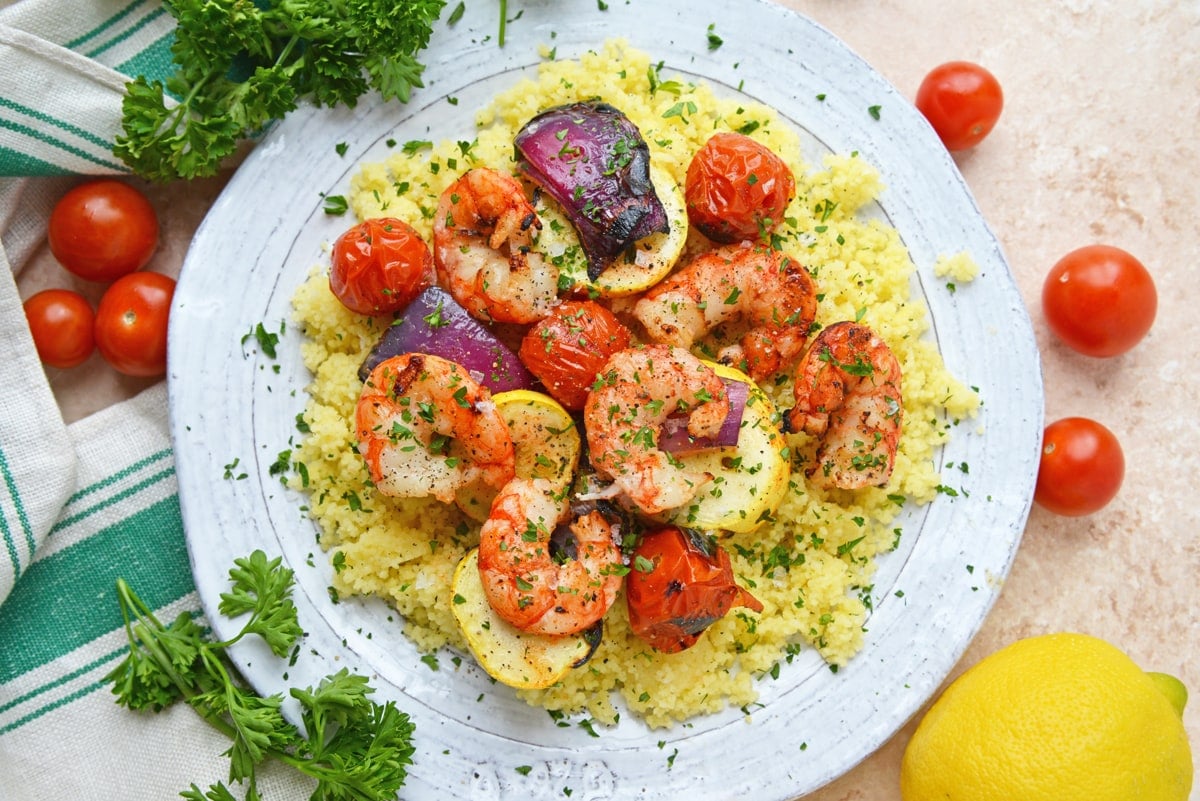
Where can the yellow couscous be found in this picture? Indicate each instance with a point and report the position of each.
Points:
(960, 266)
(811, 566)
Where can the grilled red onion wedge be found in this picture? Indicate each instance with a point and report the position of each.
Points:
(435, 323)
(590, 158)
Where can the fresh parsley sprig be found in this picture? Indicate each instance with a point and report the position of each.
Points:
(355, 749)
(241, 64)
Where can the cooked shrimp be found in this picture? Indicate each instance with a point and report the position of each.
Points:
(425, 427)
(482, 237)
(635, 392)
(526, 581)
(766, 290)
(848, 394)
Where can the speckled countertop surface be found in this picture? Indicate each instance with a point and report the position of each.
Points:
(1097, 144)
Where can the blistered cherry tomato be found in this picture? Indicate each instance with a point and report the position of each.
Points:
(379, 266)
(1081, 469)
(61, 322)
(1099, 300)
(569, 347)
(681, 582)
(102, 230)
(962, 101)
(131, 323)
(737, 189)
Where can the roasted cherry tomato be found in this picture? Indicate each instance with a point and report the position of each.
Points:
(379, 266)
(1082, 467)
(569, 347)
(102, 230)
(61, 322)
(737, 189)
(681, 582)
(962, 101)
(1099, 300)
(131, 323)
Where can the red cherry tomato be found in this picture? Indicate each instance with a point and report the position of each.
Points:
(566, 349)
(61, 322)
(681, 582)
(1082, 467)
(379, 266)
(737, 189)
(1099, 300)
(102, 230)
(962, 101)
(131, 323)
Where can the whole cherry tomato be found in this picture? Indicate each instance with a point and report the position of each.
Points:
(379, 266)
(1099, 300)
(131, 323)
(1081, 469)
(962, 101)
(102, 230)
(61, 322)
(566, 349)
(681, 582)
(737, 189)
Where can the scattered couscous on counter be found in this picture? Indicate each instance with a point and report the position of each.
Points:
(810, 563)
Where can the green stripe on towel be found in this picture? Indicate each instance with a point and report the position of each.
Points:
(156, 61)
(67, 678)
(72, 591)
(124, 35)
(79, 41)
(62, 125)
(118, 476)
(50, 141)
(57, 703)
(56, 692)
(128, 492)
(10, 483)
(18, 163)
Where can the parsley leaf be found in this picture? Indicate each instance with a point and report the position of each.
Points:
(263, 588)
(240, 65)
(352, 746)
(714, 41)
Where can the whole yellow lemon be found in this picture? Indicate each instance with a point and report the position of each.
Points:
(1059, 717)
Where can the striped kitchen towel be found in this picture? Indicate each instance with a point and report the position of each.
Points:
(81, 505)
(62, 76)
(63, 69)
(61, 733)
(61, 84)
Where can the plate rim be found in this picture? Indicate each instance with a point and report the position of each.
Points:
(196, 513)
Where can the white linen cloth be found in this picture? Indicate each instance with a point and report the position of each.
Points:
(84, 504)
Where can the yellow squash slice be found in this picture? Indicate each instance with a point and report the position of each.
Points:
(546, 441)
(653, 257)
(510, 656)
(749, 481)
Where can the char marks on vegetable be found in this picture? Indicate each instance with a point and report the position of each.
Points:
(593, 160)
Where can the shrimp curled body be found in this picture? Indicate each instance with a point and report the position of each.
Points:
(426, 427)
(526, 582)
(482, 247)
(848, 393)
(772, 294)
(635, 392)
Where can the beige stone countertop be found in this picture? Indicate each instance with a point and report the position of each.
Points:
(1098, 143)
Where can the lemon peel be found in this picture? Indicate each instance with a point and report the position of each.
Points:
(1174, 689)
(1057, 717)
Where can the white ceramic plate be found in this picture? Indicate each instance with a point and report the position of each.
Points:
(229, 402)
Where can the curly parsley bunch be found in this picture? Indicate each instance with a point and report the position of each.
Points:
(241, 64)
(355, 749)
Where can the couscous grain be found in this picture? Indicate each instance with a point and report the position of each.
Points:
(811, 566)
